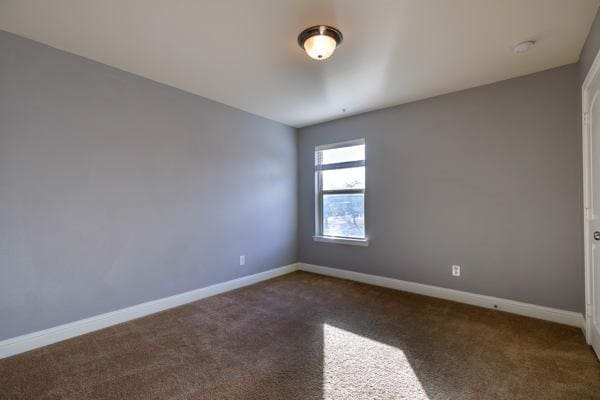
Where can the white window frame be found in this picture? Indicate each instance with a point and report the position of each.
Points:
(319, 192)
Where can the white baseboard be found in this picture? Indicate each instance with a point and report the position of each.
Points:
(515, 307)
(45, 337)
(59, 333)
(595, 340)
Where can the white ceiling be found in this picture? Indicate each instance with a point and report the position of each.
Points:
(244, 52)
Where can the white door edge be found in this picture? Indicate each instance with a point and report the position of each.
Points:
(593, 72)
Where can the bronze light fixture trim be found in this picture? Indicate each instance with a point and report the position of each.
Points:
(320, 41)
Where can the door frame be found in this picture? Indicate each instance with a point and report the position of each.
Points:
(593, 72)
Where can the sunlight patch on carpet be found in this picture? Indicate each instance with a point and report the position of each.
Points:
(358, 367)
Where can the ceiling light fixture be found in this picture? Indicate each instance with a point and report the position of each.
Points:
(523, 47)
(320, 41)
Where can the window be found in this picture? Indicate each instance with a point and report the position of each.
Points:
(340, 192)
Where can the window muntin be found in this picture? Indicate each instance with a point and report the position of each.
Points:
(340, 190)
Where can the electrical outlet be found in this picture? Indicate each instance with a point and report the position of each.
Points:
(456, 270)
(242, 260)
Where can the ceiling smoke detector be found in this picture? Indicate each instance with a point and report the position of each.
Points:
(523, 46)
(320, 41)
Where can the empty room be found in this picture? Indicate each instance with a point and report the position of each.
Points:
(299, 199)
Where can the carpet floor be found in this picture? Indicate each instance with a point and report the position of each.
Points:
(305, 336)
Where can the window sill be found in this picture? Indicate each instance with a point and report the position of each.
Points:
(338, 240)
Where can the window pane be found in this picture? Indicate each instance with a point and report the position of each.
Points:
(341, 154)
(347, 178)
(343, 215)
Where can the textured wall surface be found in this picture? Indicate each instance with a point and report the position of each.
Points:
(115, 190)
(488, 178)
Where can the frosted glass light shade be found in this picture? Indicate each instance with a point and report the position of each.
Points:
(320, 41)
(320, 47)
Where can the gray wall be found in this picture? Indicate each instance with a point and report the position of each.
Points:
(488, 178)
(115, 190)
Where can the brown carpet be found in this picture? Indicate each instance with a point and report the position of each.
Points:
(304, 336)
